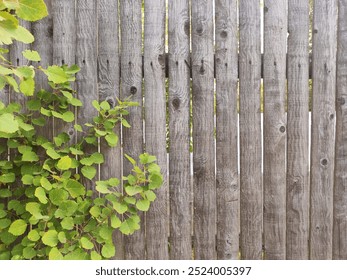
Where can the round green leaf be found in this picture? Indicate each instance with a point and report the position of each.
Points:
(18, 227)
(86, 244)
(64, 163)
(108, 251)
(29, 253)
(143, 205)
(41, 195)
(31, 55)
(55, 254)
(33, 235)
(67, 223)
(8, 124)
(89, 172)
(75, 188)
(95, 256)
(4, 223)
(68, 116)
(50, 238)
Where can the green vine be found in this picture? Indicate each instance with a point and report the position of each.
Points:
(46, 212)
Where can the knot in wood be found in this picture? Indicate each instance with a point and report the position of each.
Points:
(224, 34)
(176, 103)
(110, 101)
(282, 129)
(324, 162)
(341, 100)
(133, 90)
(186, 27)
(161, 60)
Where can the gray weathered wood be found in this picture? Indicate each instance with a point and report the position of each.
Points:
(297, 231)
(43, 33)
(155, 123)
(179, 99)
(251, 212)
(340, 189)
(228, 193)
(323, 128)
(109, 87)
(64, 48)
(274, 160)
(131, 87)
(86, 58)
(203, 131)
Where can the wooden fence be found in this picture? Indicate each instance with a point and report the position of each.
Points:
(283, 193)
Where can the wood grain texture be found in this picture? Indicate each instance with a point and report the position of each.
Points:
(64, 48)
(155, 124)
(179, 99)
(274, 160)
(86, 58)
(340, 188)
(228, 192)
(323, 128)
(251, 212)
(43, 33)
(203, 131)
(109, 88)
(131, 87)
(297, 232)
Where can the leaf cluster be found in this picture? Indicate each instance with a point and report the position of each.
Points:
(46, 212)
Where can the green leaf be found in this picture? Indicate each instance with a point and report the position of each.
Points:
(18, 227)
(8, 124)
(67, 223)
(95, 256)
(34, 235)
(96, 105)
(29, 253)
(95, 211)
(75, 102)
(62, 237)
(146, 158)
(52, 153)
(121, 208)
(34, 209)
(30, 156)
(112, 139)
(55, 254)
(56, 74)
(133, 190)
(130, 159)
(12, 82)
(115, 221)
(114, 182)
(86, 244)
(50, 238)
(27, 87)
(3, 213)
(129, 226)
(75, 188)
(41, 195)
(5, 193)
(101, 187)
(57, 196)
(125, 123)
(150, 195)
(7, 178)
(64, 163)
(108, 251)
(4, 223)
(68, 116)
(31, 55)
(45, 183)
(89, 172)
(31, 10)
(143, 205)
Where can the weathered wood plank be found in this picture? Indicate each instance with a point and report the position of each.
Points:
(64, 48)
(43, 33)
(228, 192)
(251, 212)
(340, 190)
(298, 115)
(203, 131)
(155, 123)
(86, 58)
(179, 99)
(131, 87)
(323, 128)
(297, 132)
(275, 44)
(109, 87)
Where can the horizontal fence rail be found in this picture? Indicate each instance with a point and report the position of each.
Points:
(225, 89)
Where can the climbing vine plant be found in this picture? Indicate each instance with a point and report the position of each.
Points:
(46, 212)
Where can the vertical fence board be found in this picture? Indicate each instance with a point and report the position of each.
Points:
(275, 35)
(179, 100)
(155, 123)
(43, 33)
(228, 195)
(323, 128)
(109, 87)
(86, 58)
(131, 87)
(340, 190)
(64, 48)
(250, 131)
(203, 130)
(297, 131)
